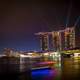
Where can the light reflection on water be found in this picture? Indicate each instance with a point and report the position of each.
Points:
(44, 74)
(68, 69)
(47, 74)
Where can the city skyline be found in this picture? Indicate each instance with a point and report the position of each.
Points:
(21, 20)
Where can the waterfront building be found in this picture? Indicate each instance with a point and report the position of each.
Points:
(67, 38)
(70, 37)
(56, 40)
(44, 40)
(77, 36)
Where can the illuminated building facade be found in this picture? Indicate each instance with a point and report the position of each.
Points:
(65, 39)
(44, 40)
(70, 37)
(77, 37)
(56, 40)
(62, 40)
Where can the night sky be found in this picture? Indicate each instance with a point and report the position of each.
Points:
(20, 19)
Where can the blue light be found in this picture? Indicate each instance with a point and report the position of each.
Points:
(42, 74)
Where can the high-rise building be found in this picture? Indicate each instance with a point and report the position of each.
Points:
(44, 40)
(56, 40)
(69, 37)
(60, 40)
(77, 36)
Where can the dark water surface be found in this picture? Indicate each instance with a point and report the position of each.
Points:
(67, 69)
(70, 69)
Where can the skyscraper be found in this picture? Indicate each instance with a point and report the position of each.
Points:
(56, 40)
(77, 36)
(67, 38)
(70, 37)
(44, 40)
